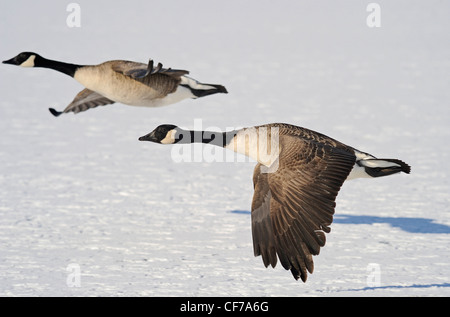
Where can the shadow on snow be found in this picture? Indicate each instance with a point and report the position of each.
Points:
(369, 288)
(413, 225)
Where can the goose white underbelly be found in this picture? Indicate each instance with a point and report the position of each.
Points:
(125, 90)
(357, 170)
(145, 97)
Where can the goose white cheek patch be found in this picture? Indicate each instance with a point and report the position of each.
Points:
(29, 62)
(170, 137)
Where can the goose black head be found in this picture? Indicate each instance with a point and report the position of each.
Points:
(164, 134)
(25, 59)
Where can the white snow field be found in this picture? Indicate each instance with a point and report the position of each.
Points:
(88, 210)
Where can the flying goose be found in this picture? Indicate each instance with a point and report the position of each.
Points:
(130, 83)
(296, 181)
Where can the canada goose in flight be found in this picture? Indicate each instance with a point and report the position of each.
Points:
(130, 83)
(296, 181)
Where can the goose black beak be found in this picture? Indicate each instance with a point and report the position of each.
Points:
(9, 61)
(149, 137)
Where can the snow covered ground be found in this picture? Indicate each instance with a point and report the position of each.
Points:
(80, 194)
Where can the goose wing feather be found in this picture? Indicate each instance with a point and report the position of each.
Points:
(298, 201)
(262, 231)
(84, 100)
(163, 80)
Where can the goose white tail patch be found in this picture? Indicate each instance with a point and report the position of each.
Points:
(185, 80)
(378, 163)
(360, 171)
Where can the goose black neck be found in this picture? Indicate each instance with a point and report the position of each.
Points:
(66, 68)
(208, 137)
